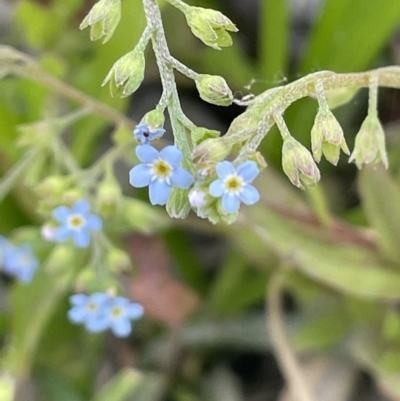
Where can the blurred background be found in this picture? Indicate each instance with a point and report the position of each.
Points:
(206, 333)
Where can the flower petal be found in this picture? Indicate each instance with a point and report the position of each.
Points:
(81, 206)
(140, 176)
(146, 153)
(77, 314)
(225, 168)
(248, 170)
(230, 203)
(61, 213)
(81, 238)
(121, 327)
(216, 188)
(181, 178)
(249, 195)
(96, 323)
(134, 311)
(159, 192)
(78, 299)
(172, 155)
(94, 222)
(62, 233)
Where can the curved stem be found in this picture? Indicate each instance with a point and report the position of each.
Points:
(283, 350)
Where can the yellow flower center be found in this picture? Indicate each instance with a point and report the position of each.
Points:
(233, 183)
(161, 169)
(76, 221)
(116, 312)
(92, 307)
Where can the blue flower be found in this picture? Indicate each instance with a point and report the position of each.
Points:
(120, 312)
(144, 134)
(99, 311)
(160, 171)
(89, 310)
(76, 223)
(18, 261)
(233, 186)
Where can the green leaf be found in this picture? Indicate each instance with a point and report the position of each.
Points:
(121, 386)
(315, 254)
(381, 200)
(273, 39)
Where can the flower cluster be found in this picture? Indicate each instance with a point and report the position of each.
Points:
(76, 223)
(17, 261)
(100, 311)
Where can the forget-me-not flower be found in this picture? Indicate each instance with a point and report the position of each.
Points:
(160, 171)
(89, 310)
(99, 311)
(144, 134)
(18, 261)
(233, 185)
(76, 222)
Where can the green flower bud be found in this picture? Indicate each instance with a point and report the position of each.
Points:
(200, 134)
(118, 260)
(370, 146)
(71, 196)
(209, 152)
(103, 18)
(178, 206)
(126, 74)
(60, 258)
(40, 134)
(214, 89)
(109, 197)
(327, 137)
(298, 164)
(154, 119)
(52, 187)
(210, 26)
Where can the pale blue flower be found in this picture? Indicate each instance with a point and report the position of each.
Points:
(99, 312)
(18, 261)
(160, 171)
(76, 222)
(90, 311)
(233, 185)
(144, 134)
(120, 312)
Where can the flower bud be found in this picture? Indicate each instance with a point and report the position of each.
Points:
(109, 197)
(200, 134)
(210, 26)
(214, 89)
(154, 119)
(197, 198)
(327, 137)
(126, 74)
(118, 261)
(103, 18)
(209, 152)
(369, 145)
(52, 187)
(71, 196)
(150, 128)
(298, 164)
(61, 258)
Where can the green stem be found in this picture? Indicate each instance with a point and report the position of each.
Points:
(319, 204)
(284, 353)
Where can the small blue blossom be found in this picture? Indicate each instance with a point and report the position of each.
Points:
(120, 312)
(99, 311)
(89, 310)
(144, 134)
(160, 171)
(233, 186)
(76, 222)
(18, 261)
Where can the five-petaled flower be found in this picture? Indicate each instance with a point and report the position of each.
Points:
(100, 311)
(233, 185)
(160, 171)
(76, 222)
(18, 261)
(144, 134)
